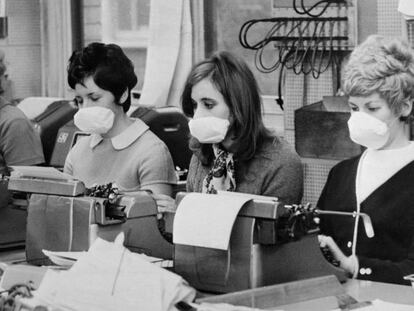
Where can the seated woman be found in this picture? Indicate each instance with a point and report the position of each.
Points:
(233, 151)
(379, 80)
(120, 149)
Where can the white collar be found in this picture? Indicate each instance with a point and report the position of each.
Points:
(124, 139)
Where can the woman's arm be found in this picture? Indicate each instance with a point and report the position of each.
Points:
(284, 177)
(156, 172)
(160, 188)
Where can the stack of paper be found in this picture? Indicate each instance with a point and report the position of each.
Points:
(68, 259)
(110, 277)
(24, 171)
(63, 259)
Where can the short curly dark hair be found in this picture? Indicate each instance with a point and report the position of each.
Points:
(110, 68)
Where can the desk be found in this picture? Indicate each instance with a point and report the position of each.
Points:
(361, 291)
(367, 290)
(315, 294)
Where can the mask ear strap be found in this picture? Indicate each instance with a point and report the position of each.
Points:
(124, 97)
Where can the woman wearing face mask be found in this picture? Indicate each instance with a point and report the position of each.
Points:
(233, 151)
(119, 149)
(379, 80)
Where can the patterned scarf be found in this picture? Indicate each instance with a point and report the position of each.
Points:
(221, 175)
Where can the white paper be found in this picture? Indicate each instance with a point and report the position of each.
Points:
(255, 197)
(110, 277)
(206, 220)
(39, 172)
(66, 259)
(160, 262)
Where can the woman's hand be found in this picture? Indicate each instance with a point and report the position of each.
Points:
(348, 263)
(165, 203)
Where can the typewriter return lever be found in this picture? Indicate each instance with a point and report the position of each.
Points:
(369, 229)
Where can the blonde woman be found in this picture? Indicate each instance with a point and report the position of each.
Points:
(379, 80)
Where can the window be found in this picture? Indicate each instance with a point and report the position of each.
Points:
(126, 22)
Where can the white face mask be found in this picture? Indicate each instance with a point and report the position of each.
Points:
(209, 130)
(95, 120)
(368, 131)
(406, 7)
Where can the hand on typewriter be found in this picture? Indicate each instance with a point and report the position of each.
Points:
(165, 203)
(348, 263)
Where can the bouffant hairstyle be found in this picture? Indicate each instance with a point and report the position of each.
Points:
(110, 68)
(381, 65)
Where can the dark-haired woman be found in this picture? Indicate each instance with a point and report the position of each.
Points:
(233, 151)
(120, 149)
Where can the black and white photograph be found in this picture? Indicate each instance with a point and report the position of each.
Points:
(206, 155)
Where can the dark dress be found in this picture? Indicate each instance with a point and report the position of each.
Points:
(389, 255)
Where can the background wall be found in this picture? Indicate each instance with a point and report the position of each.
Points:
(93, 32)
(226, 19)
(228, 28)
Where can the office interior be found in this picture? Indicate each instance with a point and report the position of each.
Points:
(164, 39)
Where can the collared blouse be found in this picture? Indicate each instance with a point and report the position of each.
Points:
(133, 159)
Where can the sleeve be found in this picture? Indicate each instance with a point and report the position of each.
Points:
(388, 271)
(20, 143)
(157, 166)
(286, 180)
(398, 260)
